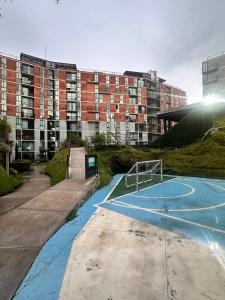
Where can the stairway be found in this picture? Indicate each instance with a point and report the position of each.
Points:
(77, 163)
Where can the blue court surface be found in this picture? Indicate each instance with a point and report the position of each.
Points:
(191, 207)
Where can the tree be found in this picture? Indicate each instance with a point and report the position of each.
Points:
(98, 140)
(5, 143)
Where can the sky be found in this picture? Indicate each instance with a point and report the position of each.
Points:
(170, 36)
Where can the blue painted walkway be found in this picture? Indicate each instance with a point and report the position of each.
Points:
(44, 279)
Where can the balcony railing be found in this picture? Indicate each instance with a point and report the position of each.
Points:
(27, 115)
(27, 81)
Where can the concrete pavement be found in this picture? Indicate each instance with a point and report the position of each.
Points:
(117, 257)
(25, 229)
(35, 183)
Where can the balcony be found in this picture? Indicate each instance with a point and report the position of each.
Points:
(72, 118)
(27, 115)
(27, 80)
(71, 77)
(71, 107)
(28, 70)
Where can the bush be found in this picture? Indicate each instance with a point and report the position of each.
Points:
(98, 141)
(8, 183)
(57, 167)
(22, 165)
(75, 140)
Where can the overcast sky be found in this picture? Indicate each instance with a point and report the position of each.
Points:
(170, 36)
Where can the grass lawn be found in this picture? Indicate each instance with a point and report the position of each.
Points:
(57, 167)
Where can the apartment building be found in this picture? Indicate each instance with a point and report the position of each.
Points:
(213, 76)
(44, 101)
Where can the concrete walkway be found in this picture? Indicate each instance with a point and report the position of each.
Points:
(25, 229)
(35, 183)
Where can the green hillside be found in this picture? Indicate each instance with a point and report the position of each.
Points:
(204, 158)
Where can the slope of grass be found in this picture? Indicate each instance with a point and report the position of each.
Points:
(201, 159)
(56, 167)
(206, 159)
(8, 183)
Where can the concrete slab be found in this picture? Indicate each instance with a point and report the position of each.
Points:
(60, 200)
(7, 204)
(117, 257)
(29, 228)
(14, 264)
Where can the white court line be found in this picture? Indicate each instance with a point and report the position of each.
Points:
(192, 209)
(148, 187)
(168, 197)
(118, 203)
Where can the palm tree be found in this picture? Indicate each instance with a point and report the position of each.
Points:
(5, 144)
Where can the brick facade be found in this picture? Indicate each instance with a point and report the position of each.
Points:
(47, 100)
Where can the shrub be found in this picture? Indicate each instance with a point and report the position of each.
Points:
(22, 165)
(57, 167)
(75, 140)
(8, 183)
(98, 140)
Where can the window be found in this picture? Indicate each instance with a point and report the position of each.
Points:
(107, 88)
(25, 91)
(42, 123)
(141, 83)
(50, 74)
(78, 75)
(3, 107)
(27, 102)
(18, 121)
(4, 95)
(135, 82)
(71, 96)
(3, 73)
(71, 106)
(71, 76)
(204, 67)
(117, 88)
(132, 91)
(112, 98)
(132, 100)
(71, 86)
(96, 88)
(96, 77)
(3, 85)
(117, 79)
(4, 60)
(25, 124)
(27, 69)
(121, 99)
(101, 98)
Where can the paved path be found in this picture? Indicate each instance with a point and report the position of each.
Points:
(35, 183)
(25, 229)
